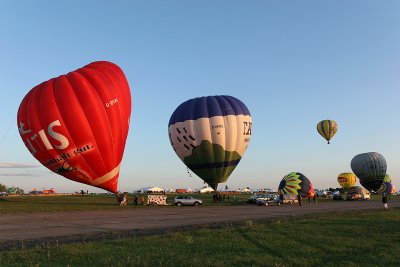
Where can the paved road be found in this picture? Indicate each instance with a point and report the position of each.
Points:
(60, 226)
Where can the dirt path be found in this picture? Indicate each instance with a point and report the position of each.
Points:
(19, 229)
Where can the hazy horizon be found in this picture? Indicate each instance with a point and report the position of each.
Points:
(292, 63)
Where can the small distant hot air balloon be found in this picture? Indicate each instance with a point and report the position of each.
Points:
(210, 135)
(386, 188)
(327, 129)
(370, 168)
(76, 125)
(347, 179)
(297, 184)
(393, 189)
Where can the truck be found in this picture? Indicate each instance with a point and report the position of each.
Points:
(358, 193)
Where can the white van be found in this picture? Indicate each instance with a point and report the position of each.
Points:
(365, 195)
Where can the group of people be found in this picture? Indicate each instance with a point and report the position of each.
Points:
(138, 200)
(223, 197)
(299, 199)
(314, 199)
(122, 200)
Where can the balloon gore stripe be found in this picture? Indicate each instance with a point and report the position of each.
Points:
(206, 107)
(214, 165)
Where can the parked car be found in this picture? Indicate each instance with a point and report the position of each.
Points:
(252, 199)
(268, 200)
(337, 196)
(187, 201)
(320, 193)
(353, 196)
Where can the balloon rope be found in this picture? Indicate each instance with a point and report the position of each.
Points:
(8, 129)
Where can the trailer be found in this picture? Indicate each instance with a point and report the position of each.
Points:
(289, 199)
(156, 200)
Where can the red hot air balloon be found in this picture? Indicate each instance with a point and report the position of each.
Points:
(76, 125)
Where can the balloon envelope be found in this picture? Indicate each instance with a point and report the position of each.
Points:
(210, 135)
(370, 168)
(327, 129)
(296, 183)
(76, 125)
(387, 178)
(386, 188)
(347, 179)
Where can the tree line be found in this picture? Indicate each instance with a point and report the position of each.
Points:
(11, 190)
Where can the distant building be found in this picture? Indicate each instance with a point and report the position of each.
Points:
(148, 190)
(206, 190)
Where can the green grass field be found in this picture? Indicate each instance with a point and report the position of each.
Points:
(358, 238)
(20, 204)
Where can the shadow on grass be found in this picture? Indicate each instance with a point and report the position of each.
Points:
(261, 246)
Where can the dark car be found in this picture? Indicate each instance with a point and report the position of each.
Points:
(268, 200)
(337, 196)
(252, 199)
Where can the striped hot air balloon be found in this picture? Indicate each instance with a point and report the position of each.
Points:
(370, 168)
(386, 188)
(296, 183)
(76, 124)
(210, 135)
(327, 129)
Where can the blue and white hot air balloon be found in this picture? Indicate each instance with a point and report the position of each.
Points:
(210, 135)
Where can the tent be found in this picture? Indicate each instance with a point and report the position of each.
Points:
(151, 189)
(206, 190)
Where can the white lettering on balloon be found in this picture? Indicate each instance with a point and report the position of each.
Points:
(111, 102)
(33, 142)
(59, 137)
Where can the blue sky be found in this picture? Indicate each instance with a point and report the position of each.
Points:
(293, 63)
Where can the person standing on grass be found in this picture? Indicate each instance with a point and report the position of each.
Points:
(299, 199)
(119, 198)
(385, 201)
(315, 198)
(123, 201)
(281, 198)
